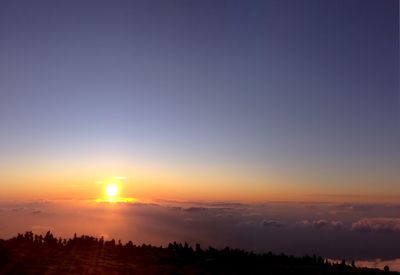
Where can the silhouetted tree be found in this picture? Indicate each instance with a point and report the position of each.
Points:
(41, 254)
(4, 256)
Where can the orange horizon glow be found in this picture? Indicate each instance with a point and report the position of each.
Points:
(154, 192)
(168, 182)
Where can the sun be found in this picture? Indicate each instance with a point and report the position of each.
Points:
(111, 190)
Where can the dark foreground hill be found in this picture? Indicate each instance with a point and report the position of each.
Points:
(36, 254)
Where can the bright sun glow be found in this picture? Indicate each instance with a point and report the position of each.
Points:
(112, 190)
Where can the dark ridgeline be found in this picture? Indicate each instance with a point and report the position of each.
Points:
(34, 254)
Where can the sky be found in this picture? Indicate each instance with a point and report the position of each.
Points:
(200, 100)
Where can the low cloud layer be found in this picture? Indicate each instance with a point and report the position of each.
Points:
(273, 223)
(378, 263)
(377, 225)
(292, 228)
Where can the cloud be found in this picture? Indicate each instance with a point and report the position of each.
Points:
(356, 207)
(196, 209)
(394, 265)
(304, 222)
(216, 224)
(318, 224)
(271, 223)
(227, 204)
(377, 225)
(251, 214)
(337, 225)
(175, 208)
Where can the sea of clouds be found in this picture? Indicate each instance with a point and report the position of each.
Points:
(367, 233)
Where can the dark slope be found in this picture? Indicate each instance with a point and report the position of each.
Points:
(33, 254)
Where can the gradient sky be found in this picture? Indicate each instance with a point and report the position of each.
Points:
(200, 99)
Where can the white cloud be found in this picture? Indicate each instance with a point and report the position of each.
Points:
(377, 225)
